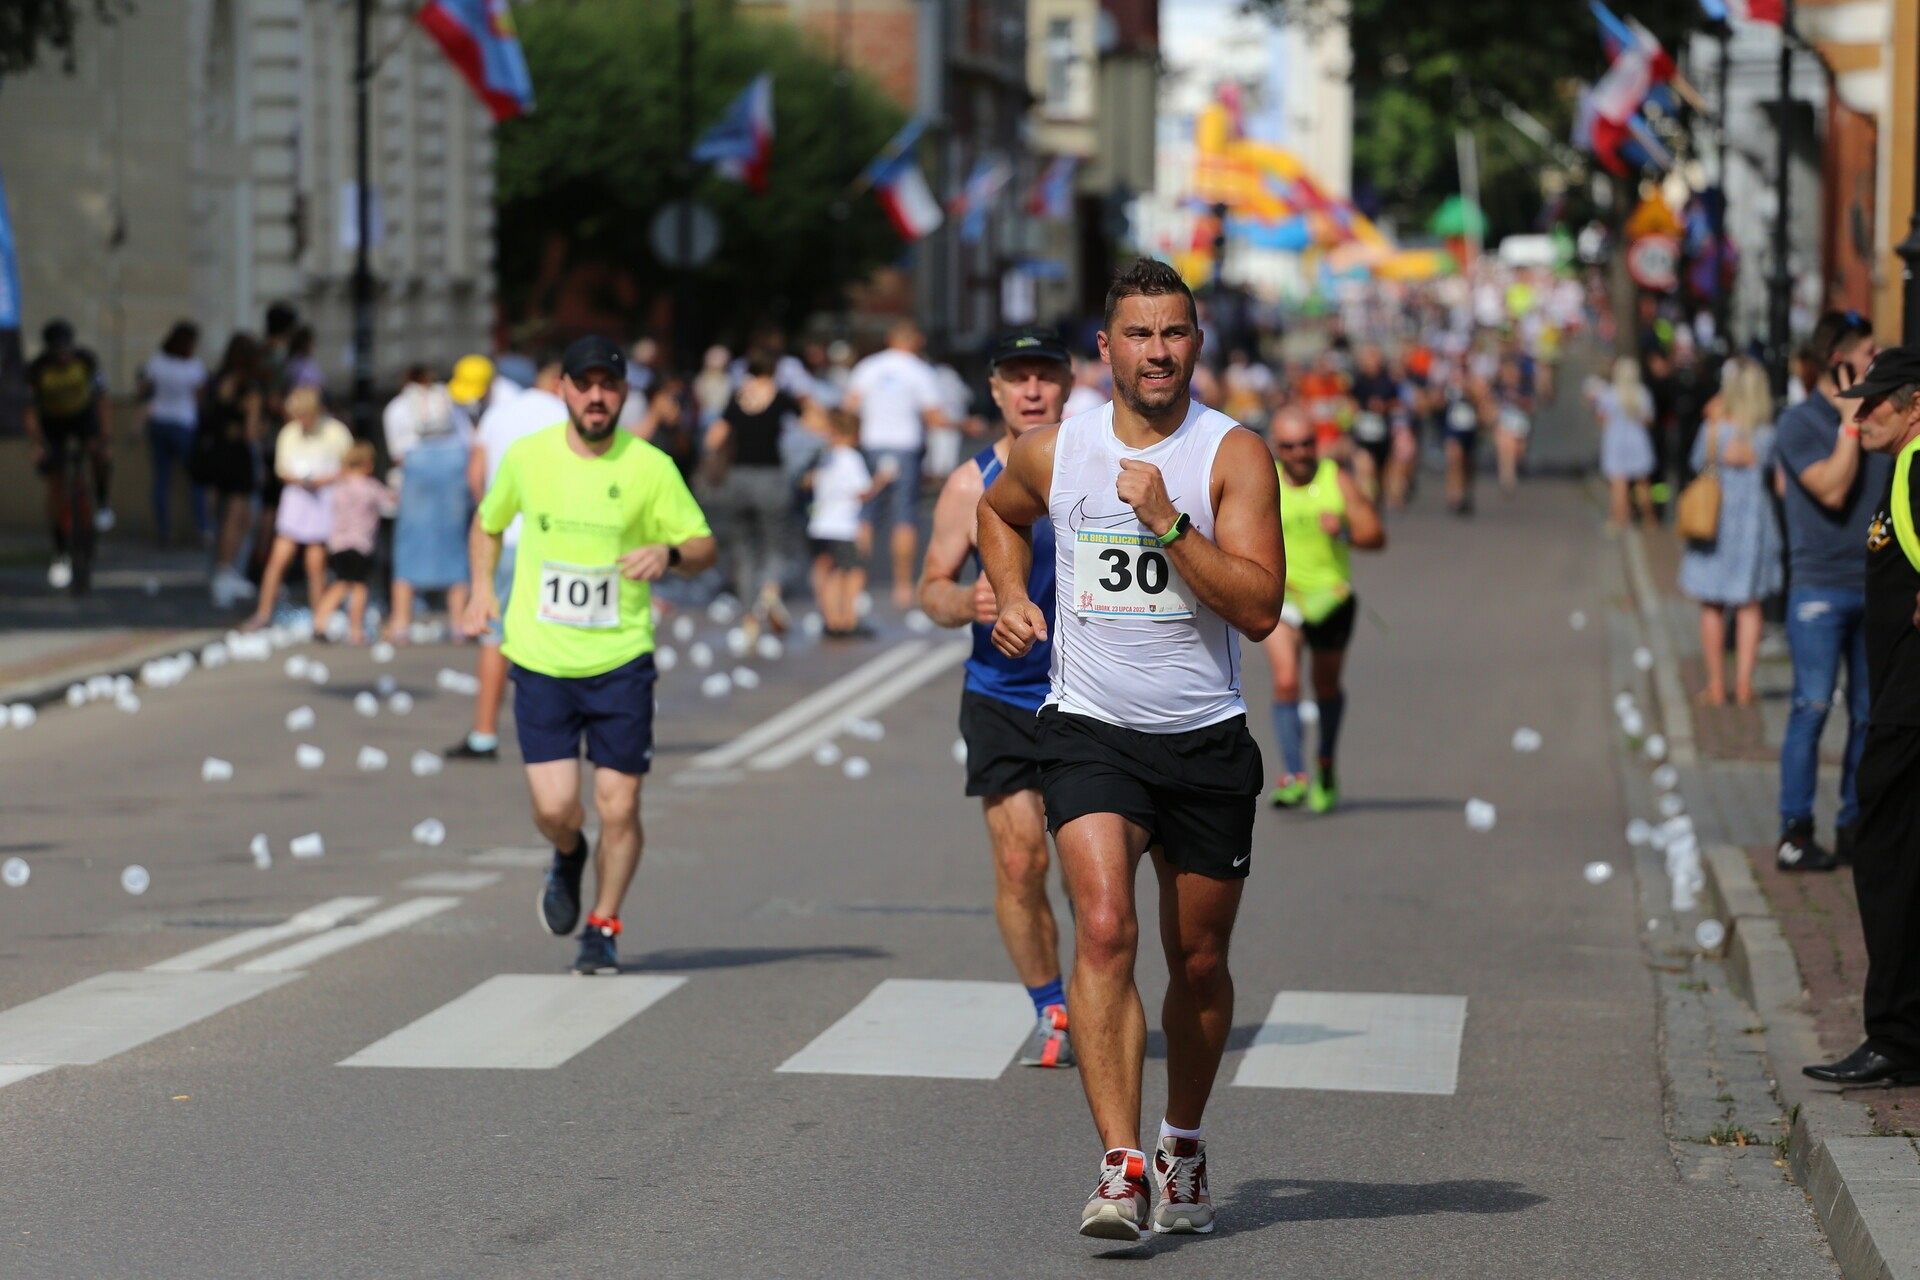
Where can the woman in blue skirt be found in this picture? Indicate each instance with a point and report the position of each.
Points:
(430, 532)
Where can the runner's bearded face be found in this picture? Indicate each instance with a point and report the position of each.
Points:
(1152, 346)
(1030, 393)
(594, 403)
(1298, 451)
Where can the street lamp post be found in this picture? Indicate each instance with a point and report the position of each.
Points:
(1909, 251)
(683, 217)
(1779, 303)
(1722, 296)
(363, 414)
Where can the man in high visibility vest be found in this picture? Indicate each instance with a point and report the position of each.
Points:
(1886, 857)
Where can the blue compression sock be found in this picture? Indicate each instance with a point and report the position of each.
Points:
(1287, 731)
(1053, 993)
(1331, 709)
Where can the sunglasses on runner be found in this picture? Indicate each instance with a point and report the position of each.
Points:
(1289, 446)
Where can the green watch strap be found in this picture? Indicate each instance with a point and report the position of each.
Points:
(1176, 530)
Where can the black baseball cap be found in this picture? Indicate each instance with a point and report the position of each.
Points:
(1028, 343)
(1892, 369)
(584, 355)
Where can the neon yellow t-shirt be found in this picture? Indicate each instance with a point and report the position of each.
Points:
(572, 614)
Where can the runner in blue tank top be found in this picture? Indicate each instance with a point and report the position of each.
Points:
(1030, 375)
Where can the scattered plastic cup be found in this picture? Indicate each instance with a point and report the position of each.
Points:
(665, 658)
(867, 730)
(918, 622)
(1672, 806)
(717, 685)
(382, 653)
(425, 764)
(685, 628)
(318, 673)
(770, 648)
(826, 755)
(1577, 620)
(1632, 724)
(385, 686)
(1481, 815)
(1666, 777)
(430, 832)
(366, 704)
(22, 715)
(308, 756)
(400, 703)
(722, 611)
(700, 654)
(1526, 741)
(135, 880)
(813, 626)
(76, 695)
(1309, 713)
(960, 751)
(297, 666)
(371, 760)
(746, 678)
(1655, 747)
(1639, 832)
(127, 702)
(856, 767)
(1709, 934)
(1643, 658)
(309, 845)
(262, 850)
(214, 769)
(1597, 872)
(739, 643)
(14, 873)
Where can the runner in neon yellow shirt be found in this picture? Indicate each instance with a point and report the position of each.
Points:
(1323, 516)
(603, 515)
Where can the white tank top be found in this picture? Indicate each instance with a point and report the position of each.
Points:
(1131, 646)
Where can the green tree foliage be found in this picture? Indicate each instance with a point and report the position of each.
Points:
(32, 28)
(1421, 70)
(601, 154)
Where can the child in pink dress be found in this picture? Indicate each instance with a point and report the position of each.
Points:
(358, 503)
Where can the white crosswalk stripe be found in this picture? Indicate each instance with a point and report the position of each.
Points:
(313, 920)
(393, 919)
(915, 1027)
(518, 1021)
(1362, 1042)
(111, 1013)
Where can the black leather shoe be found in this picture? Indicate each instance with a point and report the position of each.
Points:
(1799, 851)
(1862, 1067)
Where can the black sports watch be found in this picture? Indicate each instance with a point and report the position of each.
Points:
(1176, 530)
(673, 557)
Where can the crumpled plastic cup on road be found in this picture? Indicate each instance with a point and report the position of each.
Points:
(425, 764)
(214, 769)
(366, 704)
(1481, 815)
(262, 850)
(308, 756)
(309, 845)
(371, 760)
(430, 832)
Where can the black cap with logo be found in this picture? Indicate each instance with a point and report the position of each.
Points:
(1028, 343)
(584, 355)
(1892, 369)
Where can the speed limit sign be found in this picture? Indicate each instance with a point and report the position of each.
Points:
(1654, 263)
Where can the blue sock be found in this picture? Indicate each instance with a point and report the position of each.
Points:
(1287, 731)
(1331, 709)
(1053, 993)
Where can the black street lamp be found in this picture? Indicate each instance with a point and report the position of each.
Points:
(363, 408)
(1909, 251)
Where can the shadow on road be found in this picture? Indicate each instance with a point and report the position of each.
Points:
(1396, 804)
(685, 958)
(1240, 1037)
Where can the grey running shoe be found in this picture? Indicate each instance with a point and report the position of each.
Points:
(1180, 1183)
(1048, 1046)
(1117, 1209)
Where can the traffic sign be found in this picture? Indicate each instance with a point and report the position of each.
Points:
(702, 232)
(1654, 263)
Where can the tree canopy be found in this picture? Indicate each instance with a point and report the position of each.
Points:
(1422, 70)
(601, 154)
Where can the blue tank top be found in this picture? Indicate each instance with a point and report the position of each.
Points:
(1023, 682)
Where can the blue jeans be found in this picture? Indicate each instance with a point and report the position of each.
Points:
(898, 502)
(171, 443)
(1823, 628)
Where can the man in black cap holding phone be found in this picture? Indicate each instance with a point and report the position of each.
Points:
(1886, 851)
(604, 515)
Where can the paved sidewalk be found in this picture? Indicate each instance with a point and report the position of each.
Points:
(1794, 950)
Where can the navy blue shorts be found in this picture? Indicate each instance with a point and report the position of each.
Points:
(614, 710)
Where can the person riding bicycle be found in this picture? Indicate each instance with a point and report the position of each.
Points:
(67, 410)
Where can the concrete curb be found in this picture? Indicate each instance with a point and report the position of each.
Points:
(51, 688)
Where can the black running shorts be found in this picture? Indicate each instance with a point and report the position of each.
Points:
(1194, 792)
(1003, 746)
(1334, 632)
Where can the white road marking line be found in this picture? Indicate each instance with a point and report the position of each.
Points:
(869, 703)
(1358, 1042)
(913, 1027)
(393, 919)
(13, 1073)
(518, 1021)
(512, 858)
(313, 920)
(113, 1012)
(808, 709)
(453, 881)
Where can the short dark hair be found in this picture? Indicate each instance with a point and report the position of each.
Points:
(1836, 331)
(281, 317)
(1147, 277)
(181, 339)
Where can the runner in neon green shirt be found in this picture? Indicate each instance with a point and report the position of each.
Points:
(1324, 516)
(603, 515)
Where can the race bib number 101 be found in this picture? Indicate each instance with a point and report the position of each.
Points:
(573, 596)
(1127, 575)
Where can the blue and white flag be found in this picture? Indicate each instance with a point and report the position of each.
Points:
(9, 269)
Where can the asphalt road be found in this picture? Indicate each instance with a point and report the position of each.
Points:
(643, 1125)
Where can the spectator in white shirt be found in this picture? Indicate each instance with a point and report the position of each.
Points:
(897, 397)
(169, 390)
(423, 408)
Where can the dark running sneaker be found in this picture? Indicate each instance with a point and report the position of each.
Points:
(1799, 851)
(597, 952)
(560, 892)
(1117, 1209)
(465, 750)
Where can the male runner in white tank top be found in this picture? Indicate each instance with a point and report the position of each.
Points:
(1167, 536)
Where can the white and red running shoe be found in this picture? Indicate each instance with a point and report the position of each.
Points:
(1180, 1184)
(1117, 1209)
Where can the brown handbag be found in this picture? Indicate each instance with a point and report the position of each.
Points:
(1696, 516)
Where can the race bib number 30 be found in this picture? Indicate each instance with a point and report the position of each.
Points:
(575, 596)
(1127, 575)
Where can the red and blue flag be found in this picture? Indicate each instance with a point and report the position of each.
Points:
(479, 40)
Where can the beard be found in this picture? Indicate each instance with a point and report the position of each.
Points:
(1151, 403)
(595, 435)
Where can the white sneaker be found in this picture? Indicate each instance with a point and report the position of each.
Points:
(1180, 1185)
(103, 520)
(1117, 1209)
(60, 573)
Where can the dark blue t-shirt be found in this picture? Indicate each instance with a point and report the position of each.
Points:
(1825, 548)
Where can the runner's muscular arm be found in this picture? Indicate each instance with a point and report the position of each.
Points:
(1365, 532)
(942, 596)
(1241, 573)
(1007, 513)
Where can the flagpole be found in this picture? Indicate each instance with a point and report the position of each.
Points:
(843, 112)
(1780, 303)
(363, 416)
(683, 219)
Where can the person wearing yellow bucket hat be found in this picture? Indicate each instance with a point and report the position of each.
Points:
(475, 385)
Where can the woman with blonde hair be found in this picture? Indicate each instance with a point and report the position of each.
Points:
(1741, 567)
(307, 456)
(1625, 408)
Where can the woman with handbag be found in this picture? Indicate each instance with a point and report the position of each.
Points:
(1738, 566)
